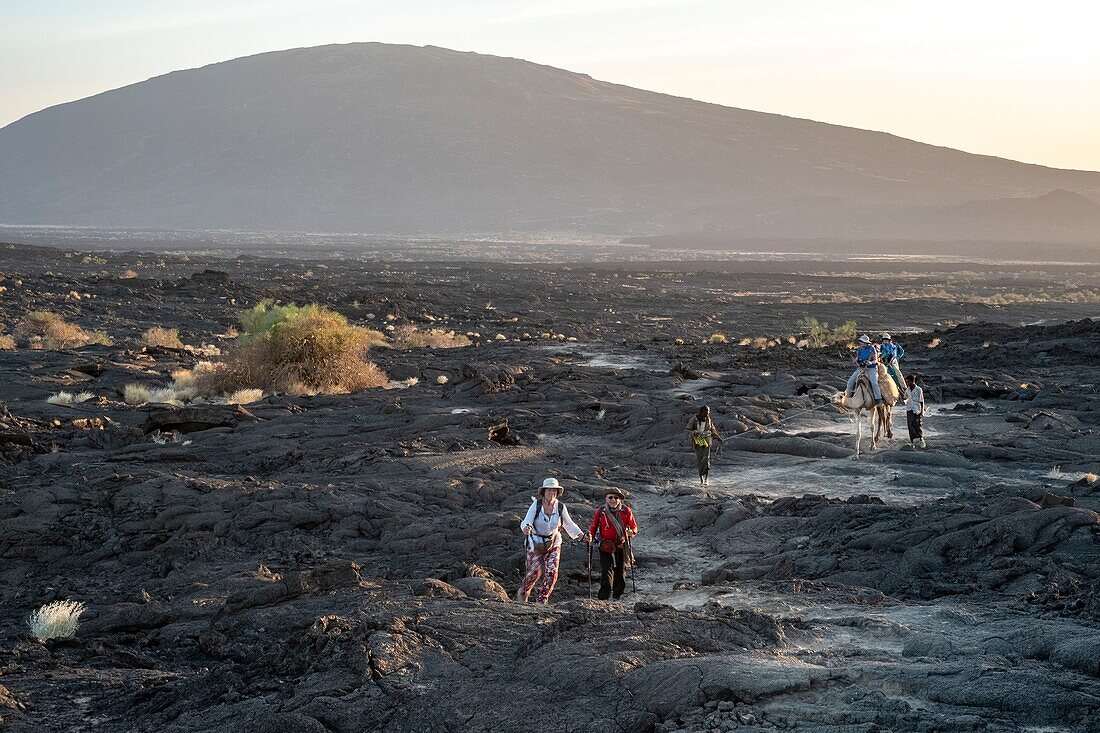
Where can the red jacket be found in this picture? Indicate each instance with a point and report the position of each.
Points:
(601, 526)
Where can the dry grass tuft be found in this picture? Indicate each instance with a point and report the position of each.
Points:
(68, 398)
(127, 275)
(442, 379)
(717, 338)
(410, 337)
(245, 396)
(45, 330)
(6, 342)
(56, 620)
(137, 394)
(934, 343)
(167, 338)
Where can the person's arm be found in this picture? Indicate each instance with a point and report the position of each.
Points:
(595, 523)
(901, 351)
(921, 400)
(714, 431)
(692, 424)
(629, 523)
(569, 525)
(529, 518)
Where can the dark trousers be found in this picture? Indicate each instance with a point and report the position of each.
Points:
(702, 459)
(613, 574)
(915, 423)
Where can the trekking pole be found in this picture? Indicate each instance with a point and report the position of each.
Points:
(630, 554)
(590, 569)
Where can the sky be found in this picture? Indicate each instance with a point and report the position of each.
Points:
(1019, 80)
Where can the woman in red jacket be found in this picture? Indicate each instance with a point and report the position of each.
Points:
(612, 525)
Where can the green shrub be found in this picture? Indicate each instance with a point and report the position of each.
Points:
(296, 349)
(820, 334)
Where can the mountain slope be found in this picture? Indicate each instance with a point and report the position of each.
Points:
(400, 139)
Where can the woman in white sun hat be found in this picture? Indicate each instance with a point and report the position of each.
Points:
(543, 526)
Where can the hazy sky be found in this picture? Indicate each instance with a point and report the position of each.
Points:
(1016, 79)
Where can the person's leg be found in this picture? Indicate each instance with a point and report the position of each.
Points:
(549, 574)
(620, 573)
(607, 568)
(872, 374)
(919, 419)
(899, 379)
(530, 577)
(850, 389)
(911, 423)
(702, 460)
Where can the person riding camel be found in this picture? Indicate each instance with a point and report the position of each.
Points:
(612, 527)
(701, 431)
(867, 360)
(890, 353)
(542, 525)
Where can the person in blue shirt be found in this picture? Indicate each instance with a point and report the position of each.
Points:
(890, 353)
(867, 359)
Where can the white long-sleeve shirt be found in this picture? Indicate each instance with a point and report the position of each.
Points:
(547, 526)
(915, 403)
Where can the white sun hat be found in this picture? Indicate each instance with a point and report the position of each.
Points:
(865, 339)
(550, 483)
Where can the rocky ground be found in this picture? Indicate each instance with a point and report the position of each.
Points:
(344, 563)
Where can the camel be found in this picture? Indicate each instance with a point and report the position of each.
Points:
(863, 400)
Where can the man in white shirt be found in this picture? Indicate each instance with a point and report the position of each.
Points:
(914, 411)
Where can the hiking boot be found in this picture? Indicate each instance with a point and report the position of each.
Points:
(923, 444)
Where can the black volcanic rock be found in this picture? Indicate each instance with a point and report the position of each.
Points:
(381, 138)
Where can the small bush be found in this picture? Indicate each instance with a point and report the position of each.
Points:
(441, 379)
(56, 620)
(410, 337)
(167, 338)
(298, 350)
(127, 275)
(190, 380)
(820, 334)
(717, 338)
(6, 342)
(45, 330)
